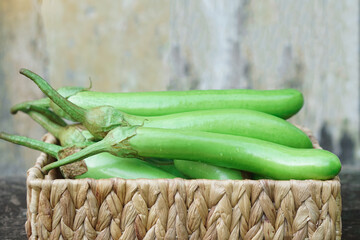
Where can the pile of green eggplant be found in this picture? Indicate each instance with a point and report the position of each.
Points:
(206, 134)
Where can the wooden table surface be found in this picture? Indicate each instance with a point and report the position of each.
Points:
(13, 206)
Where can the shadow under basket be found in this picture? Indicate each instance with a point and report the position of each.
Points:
(178, 208)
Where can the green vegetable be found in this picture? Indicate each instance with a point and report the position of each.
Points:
(242, 153)
(206, 171)
(102, 165)
(241, 122)
(283, 103)
(99, 121)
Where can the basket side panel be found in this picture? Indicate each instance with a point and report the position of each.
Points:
(194, 209)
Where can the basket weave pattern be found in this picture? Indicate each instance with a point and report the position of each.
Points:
(179, 209)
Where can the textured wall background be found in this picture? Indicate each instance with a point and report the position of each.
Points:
(178, 45)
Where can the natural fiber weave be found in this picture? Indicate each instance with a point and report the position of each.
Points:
(179, 209)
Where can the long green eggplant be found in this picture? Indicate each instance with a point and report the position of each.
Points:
(242, 153)
(283, 103)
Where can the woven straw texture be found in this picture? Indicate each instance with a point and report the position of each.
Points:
(180, 209)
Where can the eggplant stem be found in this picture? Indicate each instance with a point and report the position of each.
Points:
(76, 112)
(24, 106)
(50, 115)
(48, 148)
(46, 123)
(90, 150)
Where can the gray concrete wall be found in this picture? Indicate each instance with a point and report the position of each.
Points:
(312, 46)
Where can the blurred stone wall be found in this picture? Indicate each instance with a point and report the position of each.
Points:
(137, 45)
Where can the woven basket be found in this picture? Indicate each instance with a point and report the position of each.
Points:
(180, 209)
